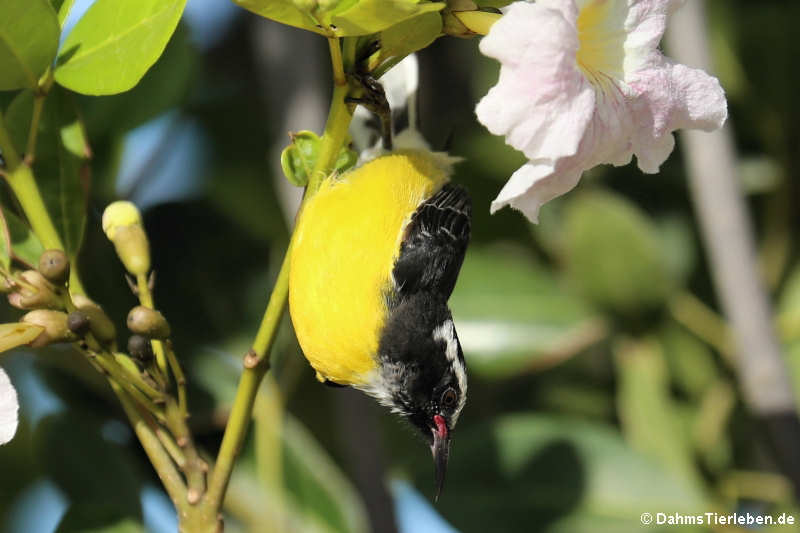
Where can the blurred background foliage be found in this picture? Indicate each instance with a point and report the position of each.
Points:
(601, 383)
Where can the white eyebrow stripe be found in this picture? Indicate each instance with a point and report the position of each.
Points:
(447, 332)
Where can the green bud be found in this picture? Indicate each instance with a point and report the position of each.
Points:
(148, 322)
(33, 291)
(99, 324)
(54, 324)
(54, 265)
(140, 349)
(122, 224)
(78, 323)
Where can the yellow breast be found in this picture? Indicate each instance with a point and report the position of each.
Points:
(345, 244)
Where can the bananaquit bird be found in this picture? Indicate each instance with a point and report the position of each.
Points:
(375, 256)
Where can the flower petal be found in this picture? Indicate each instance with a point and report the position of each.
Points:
(542, 102)
(534, 184)
(8, 409)
(668, 98)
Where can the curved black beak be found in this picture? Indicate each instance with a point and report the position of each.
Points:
(440, 448)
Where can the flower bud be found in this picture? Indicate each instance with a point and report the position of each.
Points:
(54, 324)
(33, 291)
(99, 324)
(148, 322)
(122, 224)
(140, 349)
(54, 265)
(78, 323)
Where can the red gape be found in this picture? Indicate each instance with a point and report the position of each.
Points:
(441, 426)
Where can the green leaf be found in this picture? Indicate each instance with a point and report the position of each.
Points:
(647, 412)
(513, 316)
(60, 167)
(29, 33)
(115, 43)
(162, 88)
(25, 246)
(316, 485)
(493, 3)
(62, 7)
(410, 35)
(613, 253)
(690, 361)
(340, 18)
(298, 159)
(561, 474)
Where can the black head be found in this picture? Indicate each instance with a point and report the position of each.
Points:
(423, 375)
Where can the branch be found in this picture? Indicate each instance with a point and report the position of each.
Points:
(728, 236)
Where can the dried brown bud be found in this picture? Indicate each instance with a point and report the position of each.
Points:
(78, 323)
(99, 324)
(33, 291)
(148, 322)
(54, 324)
(54, 265)
(140, 349)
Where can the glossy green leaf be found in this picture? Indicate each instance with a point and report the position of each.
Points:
(410, 35)
(512, 315)
(562, 474)
(114, 44)
(62, 7)
(341, 18)
(162, 88)
(614, 253)
(29, 33)
(25, 246)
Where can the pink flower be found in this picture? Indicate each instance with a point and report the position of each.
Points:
(8, 409)
(582, 83)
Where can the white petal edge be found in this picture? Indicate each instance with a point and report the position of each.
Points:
(9, 408)
(534, 184)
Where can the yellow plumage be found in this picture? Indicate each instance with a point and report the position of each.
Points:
(346, 242)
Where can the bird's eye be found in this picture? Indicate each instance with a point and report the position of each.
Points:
(449, 398)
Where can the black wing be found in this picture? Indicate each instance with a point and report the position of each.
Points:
(434, 244)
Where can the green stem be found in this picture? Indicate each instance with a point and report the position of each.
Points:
(20, 178)
(336, 61)
(333, 138)
(159, 457)
(146, 299)
(256, 362)
(106, 362)
(33, 133)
